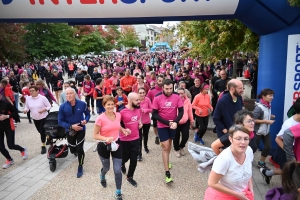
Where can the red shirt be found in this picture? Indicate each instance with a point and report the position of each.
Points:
(9, 93)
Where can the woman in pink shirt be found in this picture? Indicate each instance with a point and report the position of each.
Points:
(106, 131)
(140, 84)
(146, 109)
(203, 108)
(184, 124)
(38, 106)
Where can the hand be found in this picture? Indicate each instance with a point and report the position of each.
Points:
(224, 131)
(272, 116)
(109, 140)
(173, 125)
(242, 196)
(192, 125)
(3, 117)
(126, 131)
(76, 127)
(41, 111)
(270, 121)
(25, 111)
(140, 125)
(83, 122)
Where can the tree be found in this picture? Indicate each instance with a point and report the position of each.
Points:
(129, 37)
(48, 40)
(92, 42)
(294, 2)
(11, 42)
(111, 35)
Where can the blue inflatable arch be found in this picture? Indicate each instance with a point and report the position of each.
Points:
(277, 23)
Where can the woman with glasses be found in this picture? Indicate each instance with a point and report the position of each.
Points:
(230, 177)
(140, 84)
(38, 106)
(146, 109)
(203, 108)
(244, 118)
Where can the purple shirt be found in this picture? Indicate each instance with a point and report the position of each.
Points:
(131, 120)
(167, 107)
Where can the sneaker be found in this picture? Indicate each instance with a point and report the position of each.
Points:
(103, 182)
(177, 154)
(139, 158)
(201, 141)
(123, 169)
(118, 196)
(146, 149)
(8, 163)
(196, 137)
(168, 178)
(156, 140)
(170, 166)
(24, 154)
(260, 165)
(263, 173)
(80, 171)
(274, 163)
(131, 181)
(44, 150)
(182, 152)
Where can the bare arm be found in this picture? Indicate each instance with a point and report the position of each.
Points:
(216, 145)
(279, 141)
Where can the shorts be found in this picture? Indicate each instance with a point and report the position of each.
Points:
(154, 123)
(165, 134)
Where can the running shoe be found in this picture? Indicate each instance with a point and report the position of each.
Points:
(146, 149)
(24, 154)
(177, 154)
(263, 173)
(201, 141)
(139, 158)
(8, 163)
(196, 137)
(182, 152)
(168, 178)
(80, 171)
(156, 140)
(260, 165)
(131, 181)
(103, 182)
(118, 196)
(274, 163)
(170, 166)
(44, 150)
(123, 169)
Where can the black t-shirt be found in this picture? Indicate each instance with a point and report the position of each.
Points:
(213, 81)
(7, 109)
(225, 140)
(194, 91)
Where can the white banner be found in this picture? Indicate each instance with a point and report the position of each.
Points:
(76, 9)
(292, 80)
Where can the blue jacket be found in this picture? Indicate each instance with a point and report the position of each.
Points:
(66, 117)
(224, 112)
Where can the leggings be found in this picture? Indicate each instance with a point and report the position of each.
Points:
(203, 123)
(76, 143)
(88, 99)
(10, 139)
(39, 125)
(117, 162)
(144, 133)
(266, 139)
(184, 129)
(130, 150)
(28, 116)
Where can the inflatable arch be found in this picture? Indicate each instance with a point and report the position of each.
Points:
(160, 44)
(277, 23)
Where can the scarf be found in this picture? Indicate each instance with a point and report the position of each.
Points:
(268, 104)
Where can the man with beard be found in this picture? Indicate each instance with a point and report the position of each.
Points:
(131, 119)
(189, 82)
(227, 106)
(151, 94)
(168, 111)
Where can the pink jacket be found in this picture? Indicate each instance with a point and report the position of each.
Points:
(188, 113)
(146, 106)
(35, 104)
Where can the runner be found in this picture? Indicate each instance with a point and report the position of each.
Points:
(168, 111)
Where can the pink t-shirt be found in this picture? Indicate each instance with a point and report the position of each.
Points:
(131, 120)
(146, 107)
(167, 107)
(162, 70)
(109, 128)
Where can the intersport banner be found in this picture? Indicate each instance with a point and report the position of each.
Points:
(75, 9)
(292, 80)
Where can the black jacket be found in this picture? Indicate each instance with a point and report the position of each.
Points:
(7, 109)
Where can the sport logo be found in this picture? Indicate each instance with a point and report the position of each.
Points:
(134, 118)
(168, 104)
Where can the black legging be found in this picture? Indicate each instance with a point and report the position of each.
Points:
(28, 116)
(130, 150)
(39, 125)
(89, 99)
(10, 139)
(184, 129)
(144, 133)
(76, 143)
(203, 123)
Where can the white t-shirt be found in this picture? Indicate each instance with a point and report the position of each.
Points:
(286, 125)
(235, 176)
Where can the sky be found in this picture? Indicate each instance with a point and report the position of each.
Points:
(171, 23)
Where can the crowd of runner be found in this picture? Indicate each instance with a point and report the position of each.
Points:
(129, 92)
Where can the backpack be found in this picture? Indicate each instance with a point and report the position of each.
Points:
(2, 94)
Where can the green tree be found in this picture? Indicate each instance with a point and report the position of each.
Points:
(49, 40)
(111, 35)
(92, 42)
(11, 42)
(129, 37)
(294, 2)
